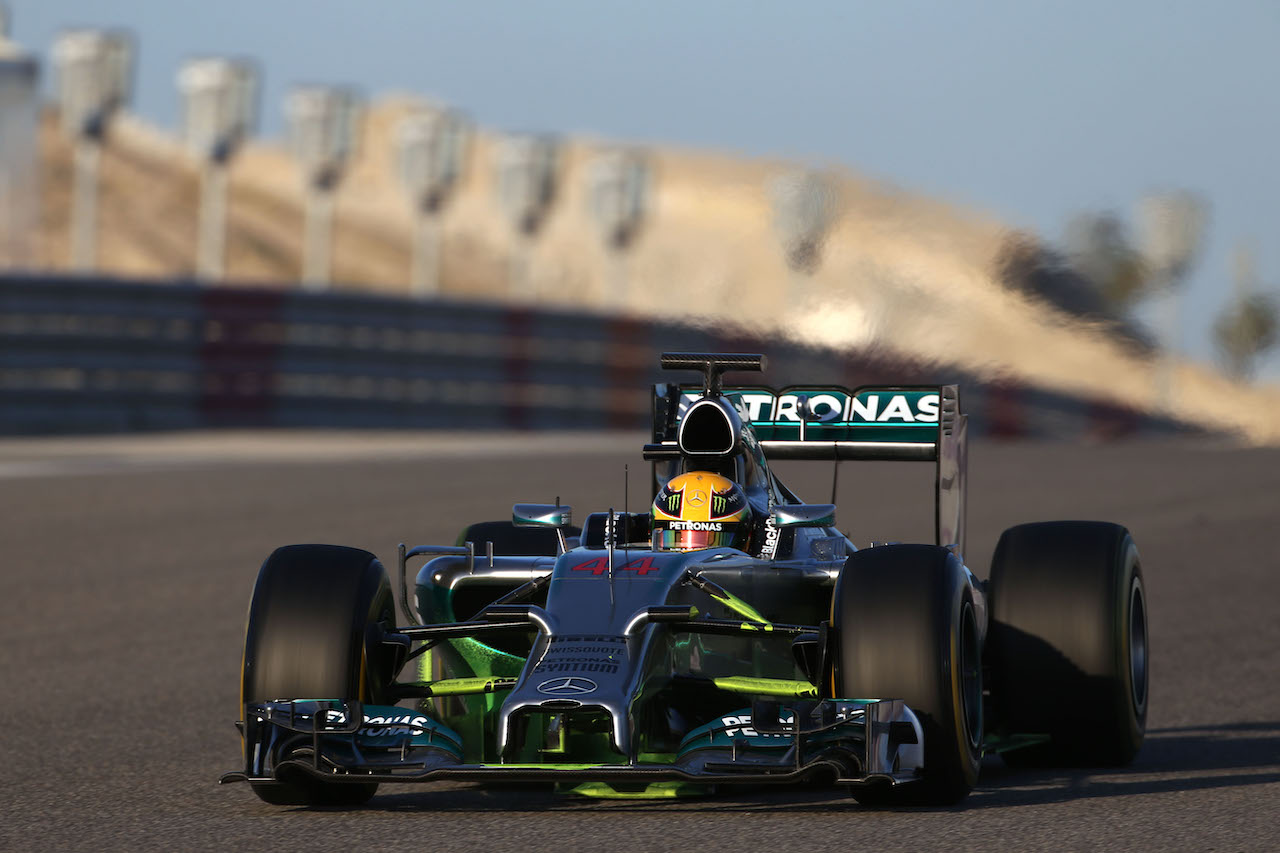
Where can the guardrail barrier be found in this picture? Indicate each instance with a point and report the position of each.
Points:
(81, 354)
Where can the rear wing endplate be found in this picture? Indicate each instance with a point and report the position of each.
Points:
(914, 423)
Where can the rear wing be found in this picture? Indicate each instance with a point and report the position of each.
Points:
(915, 423)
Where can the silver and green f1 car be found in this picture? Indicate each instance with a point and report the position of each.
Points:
(730, 636)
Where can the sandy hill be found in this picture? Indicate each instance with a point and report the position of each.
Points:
(899, 272)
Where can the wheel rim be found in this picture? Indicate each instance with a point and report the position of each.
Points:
(1138, 645)
(970, 677)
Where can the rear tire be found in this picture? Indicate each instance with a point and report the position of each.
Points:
(314, 632)
(1068, 647)
(907, 628)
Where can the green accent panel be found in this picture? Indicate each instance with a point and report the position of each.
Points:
(737, 605)
(550, 766)
(481, 660)
(652, 791)
(560, 747)
(465, 686)
(470, 713)
(767, 687)
(475, 656)
(486, 660)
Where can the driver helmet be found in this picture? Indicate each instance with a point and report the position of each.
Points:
(701, 509)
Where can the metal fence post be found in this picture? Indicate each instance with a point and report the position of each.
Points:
(527, 172)
(431, 146)
(19, 127)
(94, 82)
(219, 109)
(324, 125)
(804, 209)
(1171, 229)
(618, 192)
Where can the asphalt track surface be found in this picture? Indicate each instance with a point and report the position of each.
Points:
(127, 573)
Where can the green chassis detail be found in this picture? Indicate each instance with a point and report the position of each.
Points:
(767, 687)
(546, 766)
(467, 686)
(470, 713)
(737, 605)
(652, 791)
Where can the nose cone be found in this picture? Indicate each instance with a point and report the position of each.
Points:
(571, 681)
(589, 670)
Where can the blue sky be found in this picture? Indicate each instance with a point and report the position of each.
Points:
(1031, 111)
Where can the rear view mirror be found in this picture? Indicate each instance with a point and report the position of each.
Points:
(804, 515)
(542, 515)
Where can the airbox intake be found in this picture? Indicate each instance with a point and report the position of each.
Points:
(710, 427)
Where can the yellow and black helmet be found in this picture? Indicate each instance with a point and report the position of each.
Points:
(701, 510)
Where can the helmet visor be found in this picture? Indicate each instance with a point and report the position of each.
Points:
(667, 539)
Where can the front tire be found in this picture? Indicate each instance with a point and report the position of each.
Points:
(1069, 643)
(907, 628)
(313, 632)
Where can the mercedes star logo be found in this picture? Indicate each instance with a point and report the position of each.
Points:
(569, 686)
(697, 498)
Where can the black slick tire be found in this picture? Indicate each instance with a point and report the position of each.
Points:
(1068, 650)
(906, 628)
(314, 632)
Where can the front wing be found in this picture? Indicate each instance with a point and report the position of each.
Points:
(857, 742)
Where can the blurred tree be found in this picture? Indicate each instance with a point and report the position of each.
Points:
(1171, 228)
(1127, 268)
(1247, 327)
(1245, 330)
(1100, 249)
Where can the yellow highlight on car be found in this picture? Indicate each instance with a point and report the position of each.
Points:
(767, 687)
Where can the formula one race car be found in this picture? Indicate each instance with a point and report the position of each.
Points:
(730, 636)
